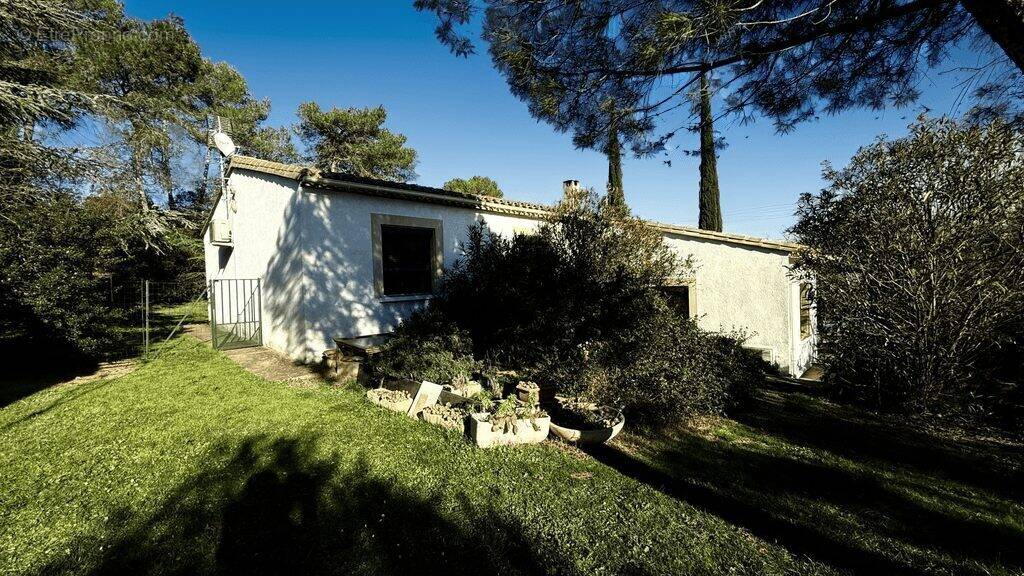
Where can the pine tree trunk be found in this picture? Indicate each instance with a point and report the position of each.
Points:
(616, 195)
(204, 180)
(140, 187)
(1003, 21)
(710, 216)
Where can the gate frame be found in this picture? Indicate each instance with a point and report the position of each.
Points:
(258, 311)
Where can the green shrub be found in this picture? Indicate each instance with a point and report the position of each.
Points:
(579, 307)
(425, 348)
(48, 292)
(916, 249)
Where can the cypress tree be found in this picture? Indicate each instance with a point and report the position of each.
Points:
(616, 196)
(710, 216)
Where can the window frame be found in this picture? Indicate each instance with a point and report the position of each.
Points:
(805, 308)
(691, 291)
(377, 221)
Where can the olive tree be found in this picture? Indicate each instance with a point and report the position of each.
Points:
(917, 248)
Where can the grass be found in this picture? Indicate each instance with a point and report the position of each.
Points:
(857, 492)
(190, 465)
(194, 311)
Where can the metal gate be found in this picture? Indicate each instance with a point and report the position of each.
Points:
(236, 313)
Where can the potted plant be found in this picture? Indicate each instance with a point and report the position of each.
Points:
(397, 400)
(524, 388)
(580, 421)
(509, 422)
(446, 415)
(464, 386)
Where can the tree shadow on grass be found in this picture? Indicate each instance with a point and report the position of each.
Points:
(800, 419)
(32, 366)
(277, 507)
(852, 517)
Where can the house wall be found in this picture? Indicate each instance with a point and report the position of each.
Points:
(267, 244)
(744, 288)
(341, 301)
(313, 250)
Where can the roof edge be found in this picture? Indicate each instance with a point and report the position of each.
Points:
(312, 178)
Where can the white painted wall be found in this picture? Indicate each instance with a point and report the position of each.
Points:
(340, 296)
(313, 251)
(744, 288)
(267, 244)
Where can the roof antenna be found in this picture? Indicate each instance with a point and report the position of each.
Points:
(218, 135)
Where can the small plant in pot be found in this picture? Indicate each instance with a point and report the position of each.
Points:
(578, 420)
(397, 400)
(447, 415)
(525, 388)
(509, 422)
(464, 386)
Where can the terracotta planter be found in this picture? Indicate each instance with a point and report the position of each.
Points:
(482, 435)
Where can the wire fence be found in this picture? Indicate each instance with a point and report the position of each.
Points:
(143, 315)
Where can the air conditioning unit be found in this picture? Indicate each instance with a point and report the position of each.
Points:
(220, 232)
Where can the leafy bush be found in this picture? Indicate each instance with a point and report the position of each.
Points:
(426, 349)
(578, 305)
(48, 292)
(916, 248)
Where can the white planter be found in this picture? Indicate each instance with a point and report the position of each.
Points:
(525, 433)
(586, 435)
(402, 406)
(590, 436)
(438, 421)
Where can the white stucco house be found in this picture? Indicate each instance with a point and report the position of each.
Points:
(341, 257)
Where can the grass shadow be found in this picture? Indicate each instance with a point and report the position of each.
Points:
(799, 418)
(870, 510)
(33, 366)
(279, 507)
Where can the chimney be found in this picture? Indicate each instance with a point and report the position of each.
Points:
(569, 187)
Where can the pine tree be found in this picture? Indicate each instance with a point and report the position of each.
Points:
(710, 217)
(479, 185)
(616, 195)
(786, 61)
(354, 141)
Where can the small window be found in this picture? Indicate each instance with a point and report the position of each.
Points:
(679, 298)
(407, 260)
(407, 256)
(805, 310)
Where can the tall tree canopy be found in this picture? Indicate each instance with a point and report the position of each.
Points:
(102, 130)
(354, 141)
(787, 60)
(481, 185)
(153, 69)
(709, 216)
(612, 149)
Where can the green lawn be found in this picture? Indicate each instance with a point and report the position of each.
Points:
(191, 465)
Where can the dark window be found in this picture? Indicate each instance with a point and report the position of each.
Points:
(407, 255)
(679, 298)
(805, 310)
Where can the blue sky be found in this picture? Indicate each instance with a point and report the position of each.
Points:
(460, 117)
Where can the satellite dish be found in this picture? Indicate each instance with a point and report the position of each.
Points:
(224, 143)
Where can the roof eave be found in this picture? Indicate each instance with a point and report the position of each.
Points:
(311, 178)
